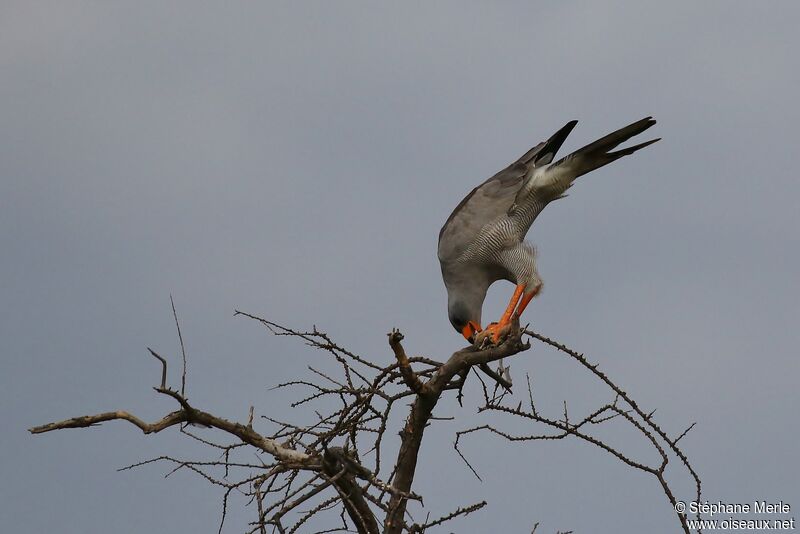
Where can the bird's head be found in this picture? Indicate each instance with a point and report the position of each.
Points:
(466, 321)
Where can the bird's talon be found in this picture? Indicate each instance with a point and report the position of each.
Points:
(494, 333)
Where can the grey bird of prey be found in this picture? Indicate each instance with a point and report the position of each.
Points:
(483, 239)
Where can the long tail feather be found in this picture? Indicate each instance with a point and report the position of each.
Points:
(598, 153)
(544, 152)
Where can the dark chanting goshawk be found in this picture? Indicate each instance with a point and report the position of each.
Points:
(483, 239)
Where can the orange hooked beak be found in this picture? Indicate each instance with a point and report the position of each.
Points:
(469, 330)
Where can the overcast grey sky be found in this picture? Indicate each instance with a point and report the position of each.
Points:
(296, 160)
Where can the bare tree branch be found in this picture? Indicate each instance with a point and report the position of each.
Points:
(411, 379)
(332, 467)
(183, 348)
(422, 410)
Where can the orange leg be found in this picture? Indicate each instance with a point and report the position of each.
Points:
(495, 328)
(506, 318)
(526, 299)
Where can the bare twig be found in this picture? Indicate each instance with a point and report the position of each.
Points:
(163, 368)
(183, 348)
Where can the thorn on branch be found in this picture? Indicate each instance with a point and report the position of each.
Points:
(676, 440)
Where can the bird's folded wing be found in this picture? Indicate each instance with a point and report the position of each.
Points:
(481, 206)
(495, 197)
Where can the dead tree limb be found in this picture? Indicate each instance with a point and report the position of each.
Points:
(192, 416)
(331, 469)
(422, 409)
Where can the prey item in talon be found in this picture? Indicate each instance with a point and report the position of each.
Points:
(493, 333)
(498, 330)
